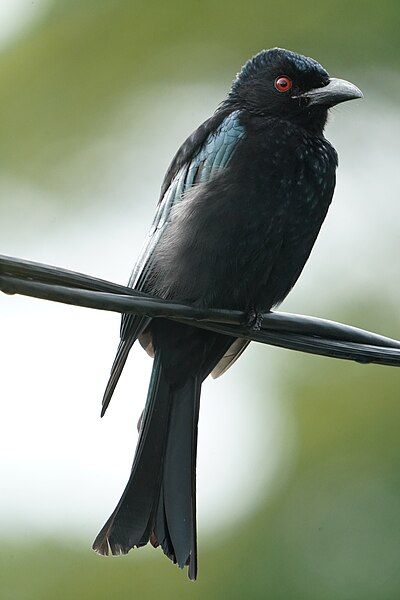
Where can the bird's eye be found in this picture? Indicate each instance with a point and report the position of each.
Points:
(283, 83)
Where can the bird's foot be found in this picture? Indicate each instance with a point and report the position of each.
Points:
(254, 319)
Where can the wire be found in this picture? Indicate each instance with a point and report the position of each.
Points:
(296, 332)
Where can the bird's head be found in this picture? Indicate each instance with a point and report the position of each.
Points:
(281, 83)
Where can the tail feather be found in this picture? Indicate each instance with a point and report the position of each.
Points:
(159, 501)
(124, 348)
(131, 522)
(176, 514)
(161, 535)
(193, 556)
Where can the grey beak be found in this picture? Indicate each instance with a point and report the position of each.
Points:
(337, 90)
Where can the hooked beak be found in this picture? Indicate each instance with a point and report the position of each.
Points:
(337, 90)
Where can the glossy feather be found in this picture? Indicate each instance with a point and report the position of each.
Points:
(241, 206)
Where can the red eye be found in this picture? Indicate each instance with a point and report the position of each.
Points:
(283, 83)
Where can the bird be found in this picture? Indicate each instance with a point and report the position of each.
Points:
(240, 208)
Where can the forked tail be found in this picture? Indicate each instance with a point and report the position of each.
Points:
(159, 501)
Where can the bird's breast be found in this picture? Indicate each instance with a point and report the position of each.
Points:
(245, 233)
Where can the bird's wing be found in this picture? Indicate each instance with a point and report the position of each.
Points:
(191, 146)
(205, 161)
(230, 356)
(202, 156)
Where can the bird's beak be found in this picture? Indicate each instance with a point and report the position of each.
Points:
(337, 90)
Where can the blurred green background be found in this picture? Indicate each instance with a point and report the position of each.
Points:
(95, 97)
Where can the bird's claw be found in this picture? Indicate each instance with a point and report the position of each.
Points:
(254, 319)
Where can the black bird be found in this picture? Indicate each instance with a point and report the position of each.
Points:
(240, 208)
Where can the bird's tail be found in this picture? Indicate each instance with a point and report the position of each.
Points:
(159, 501)
(136, 326)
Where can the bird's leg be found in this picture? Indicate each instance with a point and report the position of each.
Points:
(254, 319)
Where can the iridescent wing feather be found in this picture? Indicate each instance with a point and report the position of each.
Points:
(199, 159)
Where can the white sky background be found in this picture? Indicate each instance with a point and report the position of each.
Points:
(61, 466)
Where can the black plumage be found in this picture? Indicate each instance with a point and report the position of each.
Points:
(240, 209)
